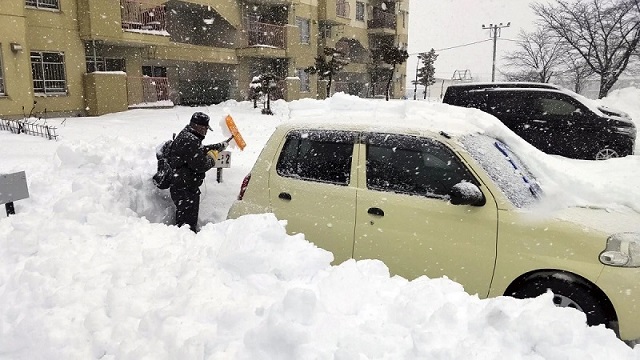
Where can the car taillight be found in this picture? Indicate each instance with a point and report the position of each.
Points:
(244, 185)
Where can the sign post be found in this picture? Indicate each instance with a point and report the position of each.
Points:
(13, 187)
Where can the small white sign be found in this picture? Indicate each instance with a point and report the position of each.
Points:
(223, 160)
(13, 187)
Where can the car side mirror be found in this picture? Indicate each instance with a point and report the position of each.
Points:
(466, 193)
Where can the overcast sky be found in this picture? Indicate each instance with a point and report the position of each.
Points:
(442, 24)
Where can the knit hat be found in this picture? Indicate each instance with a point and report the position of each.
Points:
(200, 118)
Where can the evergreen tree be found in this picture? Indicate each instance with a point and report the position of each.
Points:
(393, 56)
(328, 65)
(426, 74)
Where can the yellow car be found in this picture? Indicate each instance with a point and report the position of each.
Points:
(439, 205)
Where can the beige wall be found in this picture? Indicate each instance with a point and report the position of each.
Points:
(40, 30)
(105, 93)
(78, 20)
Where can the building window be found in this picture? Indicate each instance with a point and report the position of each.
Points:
(47, 69)
(1, 76)
(97, 62)
(325, 31)
(305, 30)
(359, 11)
(43, 4)
(154, 71)
(304, 80)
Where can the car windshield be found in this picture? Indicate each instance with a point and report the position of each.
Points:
(505, 168)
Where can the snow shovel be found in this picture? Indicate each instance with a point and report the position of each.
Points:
(235, 133)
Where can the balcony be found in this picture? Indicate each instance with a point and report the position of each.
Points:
(382, 21)
(139, 15)
(147, 89)
(263, 34)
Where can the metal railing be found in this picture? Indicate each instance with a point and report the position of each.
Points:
(382, 20)
(29, 128)
(343, 9)
(260, 33)
(153, 88)
(140, 15)
(43, 4)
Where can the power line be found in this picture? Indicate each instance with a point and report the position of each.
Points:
(495, 30)
(455, 47)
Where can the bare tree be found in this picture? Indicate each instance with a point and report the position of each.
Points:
(576, 70)
(538, 57)
(605, 33)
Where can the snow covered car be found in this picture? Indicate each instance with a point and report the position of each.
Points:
(555, 120)
(434, 204)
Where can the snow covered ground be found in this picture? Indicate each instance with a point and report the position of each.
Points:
(90, 270)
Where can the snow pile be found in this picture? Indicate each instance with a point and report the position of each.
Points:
(89, 267)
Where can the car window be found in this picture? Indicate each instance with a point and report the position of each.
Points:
(412, 165)
(505, 168)
(323, 156)
(556, 107)
(505, 103)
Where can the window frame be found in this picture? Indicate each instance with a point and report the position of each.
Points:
(304, 24)
(305, 86)
(318, 136)
(42, 4)
(41, 66)
(400, 142)
(361, 15)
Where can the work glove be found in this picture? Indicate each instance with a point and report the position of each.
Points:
(213, 154)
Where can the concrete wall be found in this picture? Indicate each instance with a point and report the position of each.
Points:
(105, 93)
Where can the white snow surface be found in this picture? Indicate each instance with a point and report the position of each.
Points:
(90, 268)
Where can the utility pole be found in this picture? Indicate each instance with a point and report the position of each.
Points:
(494, 32)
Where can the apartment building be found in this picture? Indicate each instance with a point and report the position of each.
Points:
(91, 57)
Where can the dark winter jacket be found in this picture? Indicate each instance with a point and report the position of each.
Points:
(189, 159)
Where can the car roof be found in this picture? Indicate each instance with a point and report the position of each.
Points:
(337, 125)
(504, 84)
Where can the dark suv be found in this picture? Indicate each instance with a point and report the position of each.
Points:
(555, 120)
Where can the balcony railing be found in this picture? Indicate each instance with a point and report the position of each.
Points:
(343, 9)
(264, 34)
(139, 15)
(382, 20)
(154, 89)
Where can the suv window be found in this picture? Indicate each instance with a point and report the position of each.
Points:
(412, 165)
(323, 156)
(556, 107)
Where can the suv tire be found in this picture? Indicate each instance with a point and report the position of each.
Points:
(607, 153)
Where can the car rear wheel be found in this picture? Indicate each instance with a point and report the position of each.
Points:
(607, 153)
(567, 293)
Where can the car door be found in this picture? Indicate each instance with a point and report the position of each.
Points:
(566, 127)
(312, 186)
(520, 111)
(403, 216)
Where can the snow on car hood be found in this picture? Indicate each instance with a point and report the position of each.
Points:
(605, 220)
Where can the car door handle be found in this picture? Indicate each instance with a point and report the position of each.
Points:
(285, 196)
(375, 211)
